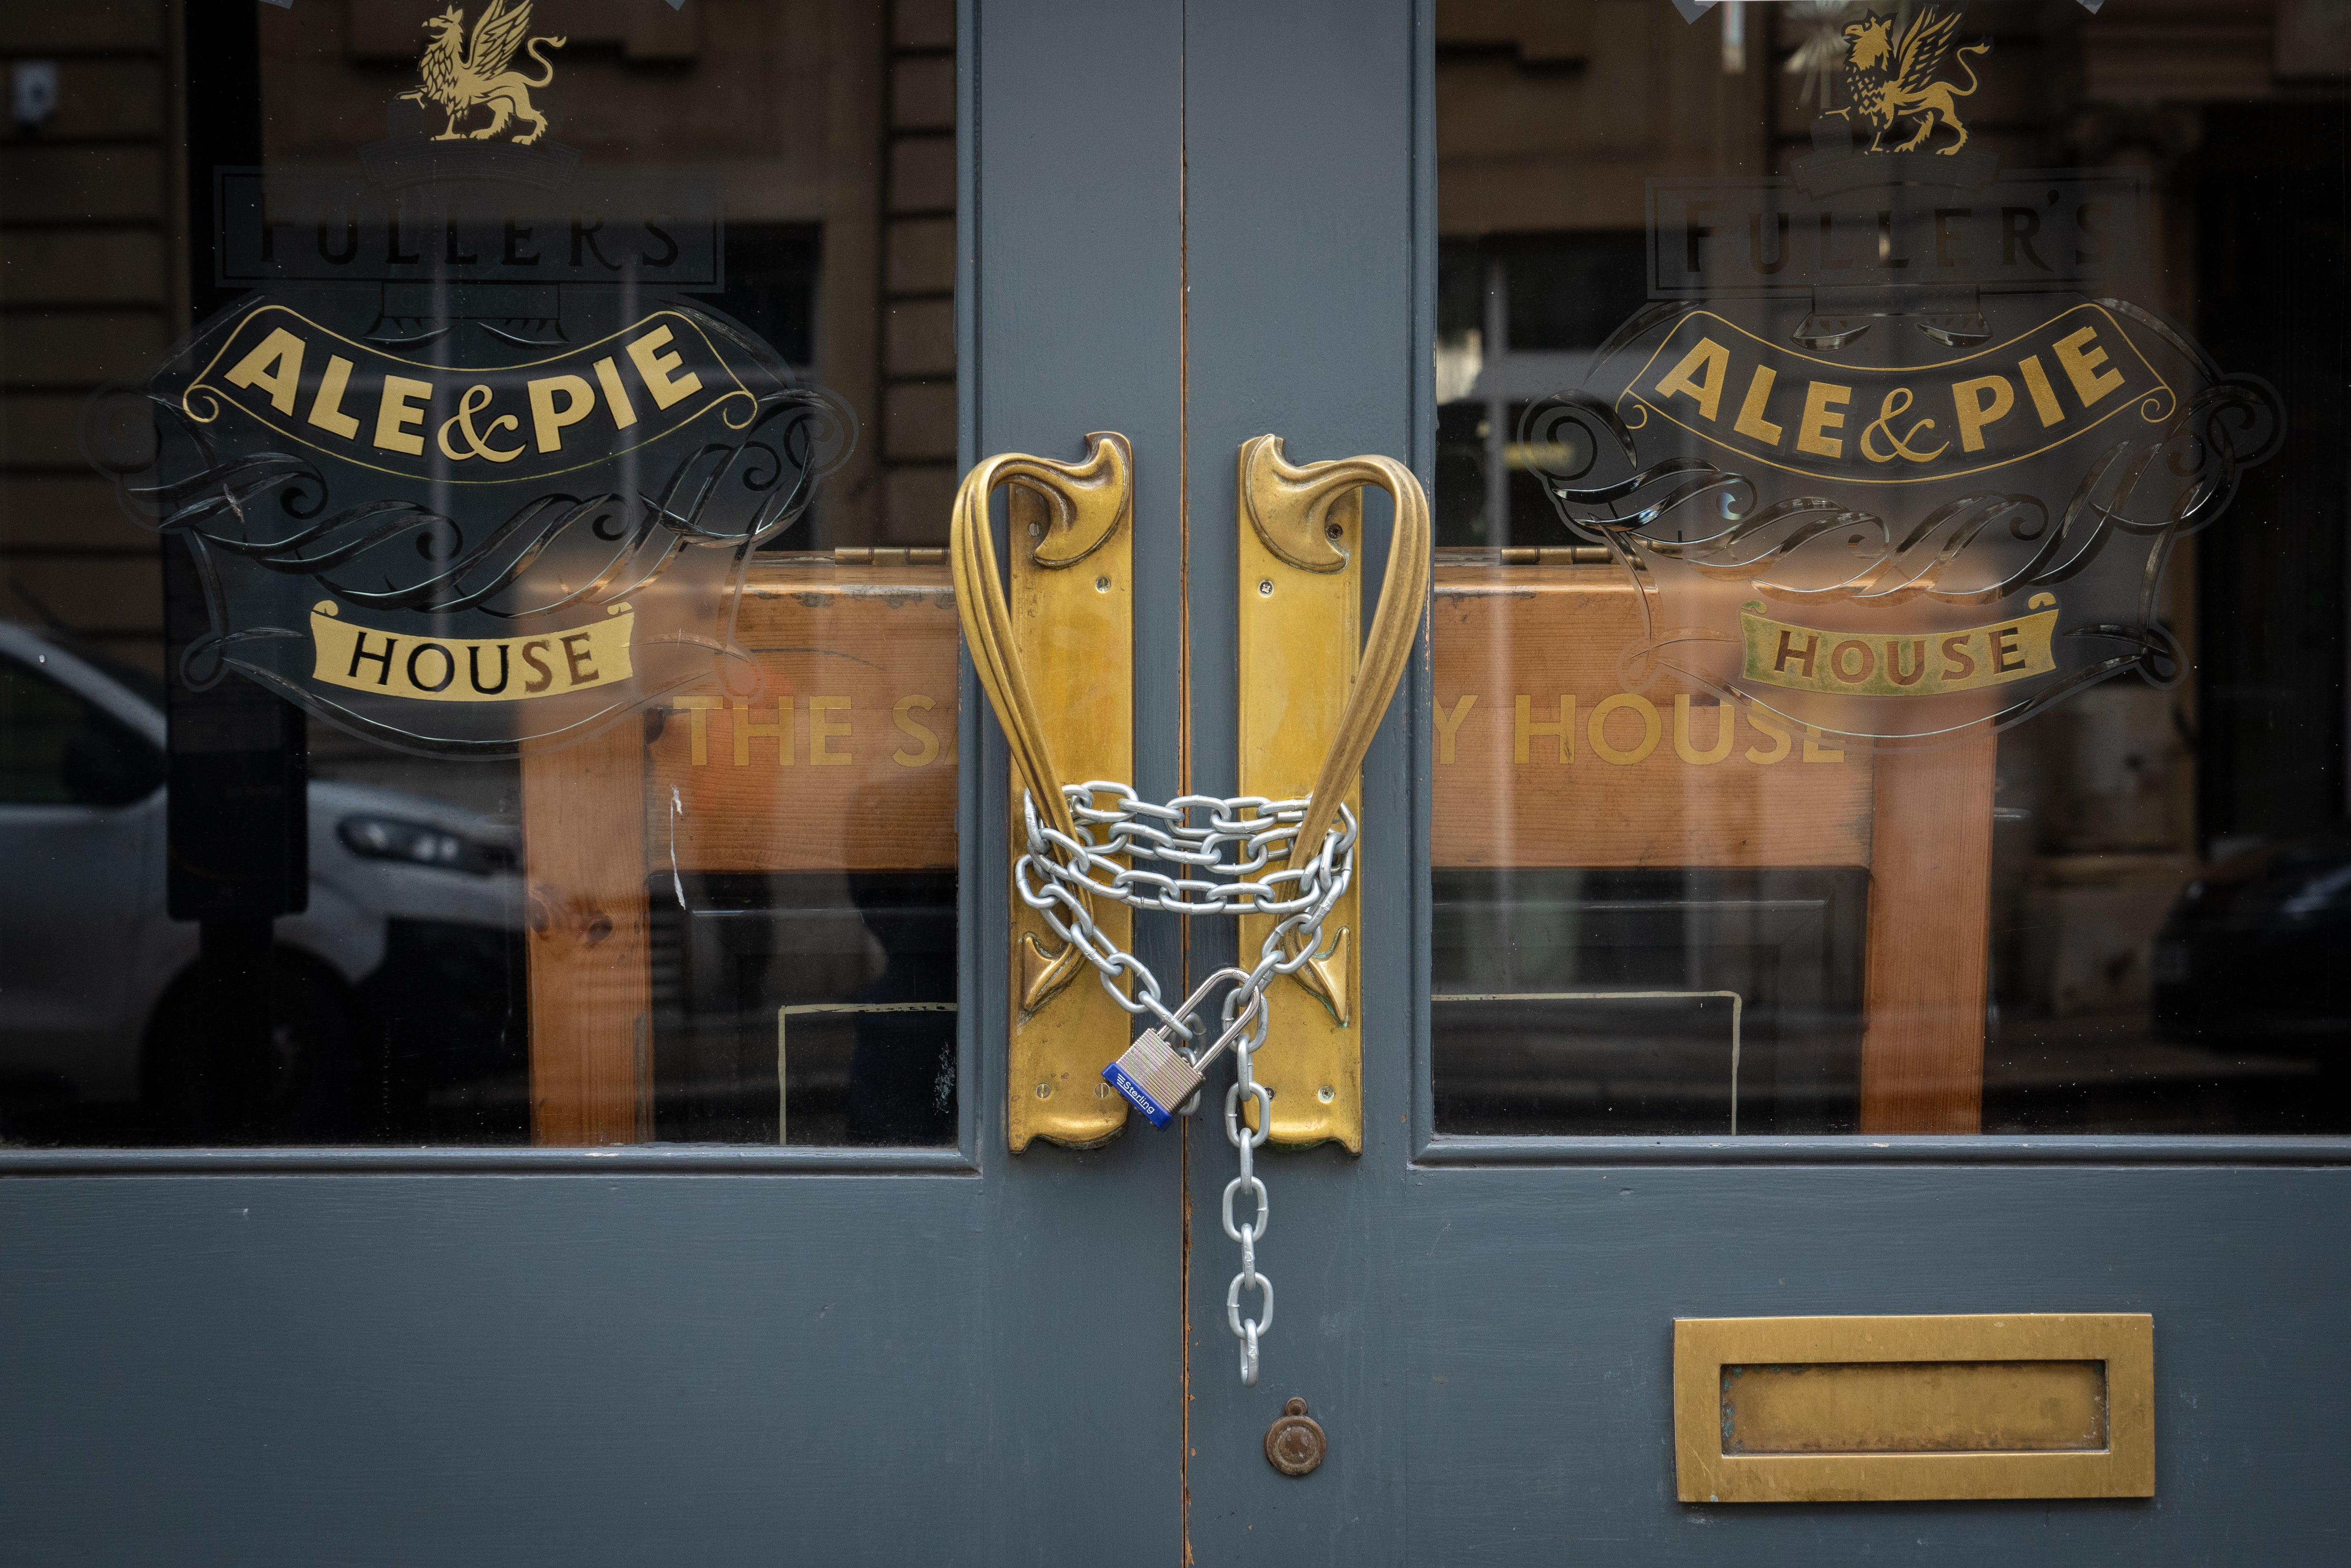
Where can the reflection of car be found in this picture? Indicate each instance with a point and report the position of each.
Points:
(2249, 957)
(398, 1009)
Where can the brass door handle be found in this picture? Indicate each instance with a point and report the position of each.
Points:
(1056, 659)
(1082, 506)
(1295, 510)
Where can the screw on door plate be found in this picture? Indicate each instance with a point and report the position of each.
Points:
(1294, 1444)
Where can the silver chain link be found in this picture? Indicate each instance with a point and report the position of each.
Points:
(1261, 876)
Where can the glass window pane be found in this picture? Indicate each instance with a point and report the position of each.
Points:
(1889, 634)
(476, 660)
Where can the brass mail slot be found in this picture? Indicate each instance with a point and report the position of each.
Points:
(1913, 1408)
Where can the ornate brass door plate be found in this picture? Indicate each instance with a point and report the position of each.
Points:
(1062, 650)
(1304, 720)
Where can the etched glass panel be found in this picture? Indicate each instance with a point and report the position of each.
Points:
(1890, 565)
(472, 670)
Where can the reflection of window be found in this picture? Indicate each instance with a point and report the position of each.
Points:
(1644, 999)
(57, 749)
(1517, 316)
(772, 285)
(809, 1009)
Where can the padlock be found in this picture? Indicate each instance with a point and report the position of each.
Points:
(1154, 1076)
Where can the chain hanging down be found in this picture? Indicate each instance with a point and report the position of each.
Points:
(1262, 876)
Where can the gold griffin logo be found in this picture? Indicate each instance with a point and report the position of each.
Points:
(1889, 76)
(462, 77)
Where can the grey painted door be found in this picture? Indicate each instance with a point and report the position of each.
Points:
(1483, 1324)
(722, 1354)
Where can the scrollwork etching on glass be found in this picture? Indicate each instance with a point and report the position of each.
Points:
(1890, 454)
(470, 466)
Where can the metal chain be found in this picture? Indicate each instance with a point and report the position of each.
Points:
(1057, 869)
(1264, 878)
(1245, 1144)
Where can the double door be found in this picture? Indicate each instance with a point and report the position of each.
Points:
(746, 1313)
